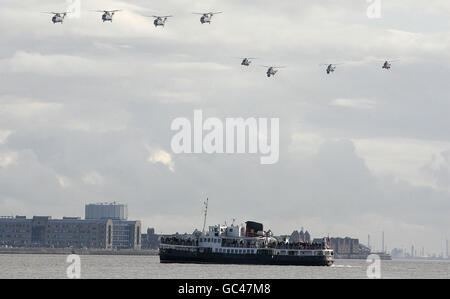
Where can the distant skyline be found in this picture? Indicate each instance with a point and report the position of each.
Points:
(86, 108)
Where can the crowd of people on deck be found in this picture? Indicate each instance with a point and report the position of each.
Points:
(179, 241)
(242, 243)
(298, 246)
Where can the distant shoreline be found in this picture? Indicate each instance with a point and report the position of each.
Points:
(67, 251)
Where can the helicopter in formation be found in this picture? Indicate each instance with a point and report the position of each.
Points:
(160, 20)
(388, 64)
(107, 14)
(330, 67)
(58, 17)
(247, 61)
(272, 70)
(206, 17)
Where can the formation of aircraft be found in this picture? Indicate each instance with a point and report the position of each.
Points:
(206, 17)
(159, 20)
(270, 70)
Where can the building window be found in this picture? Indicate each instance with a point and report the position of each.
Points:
(138, 235)
(109, 234)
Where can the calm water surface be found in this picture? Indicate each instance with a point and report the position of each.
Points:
(54, 266)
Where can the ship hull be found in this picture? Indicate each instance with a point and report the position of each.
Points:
(175, 256)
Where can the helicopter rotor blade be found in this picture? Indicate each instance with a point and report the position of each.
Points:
(273, 66)
(105, 11)
(389, 60)
(55, 13)
(156, 17)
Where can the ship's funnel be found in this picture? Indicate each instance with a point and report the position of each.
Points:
(253, 228)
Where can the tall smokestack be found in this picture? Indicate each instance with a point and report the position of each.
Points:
(446, 248)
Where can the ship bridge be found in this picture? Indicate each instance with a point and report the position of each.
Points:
(235, 231)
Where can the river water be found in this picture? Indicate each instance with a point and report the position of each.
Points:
(55, 266)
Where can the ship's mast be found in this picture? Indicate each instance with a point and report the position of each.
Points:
(206, 213)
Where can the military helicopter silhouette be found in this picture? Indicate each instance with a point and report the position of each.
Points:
(272, 70)
(388, 64)
(107, 14)
(330, 67)
(246, 61)
(206, 17)
(58, 17)
(160, 20)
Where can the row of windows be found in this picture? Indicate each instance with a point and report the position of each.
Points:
(14, 236)
(71, 231)
(15, 225)
(235, 251)
(70, 237)
(210, 240)
(50, 226)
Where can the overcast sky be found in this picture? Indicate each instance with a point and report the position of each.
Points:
(86, 108)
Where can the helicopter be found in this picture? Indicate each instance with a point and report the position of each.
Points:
(58, 17)
(388, 63)
(107, 14)
(206, 17)
(330, 67)
(272, 70)
(247, 61)
(160, 20)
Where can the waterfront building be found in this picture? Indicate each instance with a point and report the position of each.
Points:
(307, 237)
(150, 240)
(43, 231)
(345, 245)
(127, 234)
(69, 232)
(295, 237)
(302, 235)
(115, 211)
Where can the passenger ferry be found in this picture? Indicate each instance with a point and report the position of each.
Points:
(248, 244)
